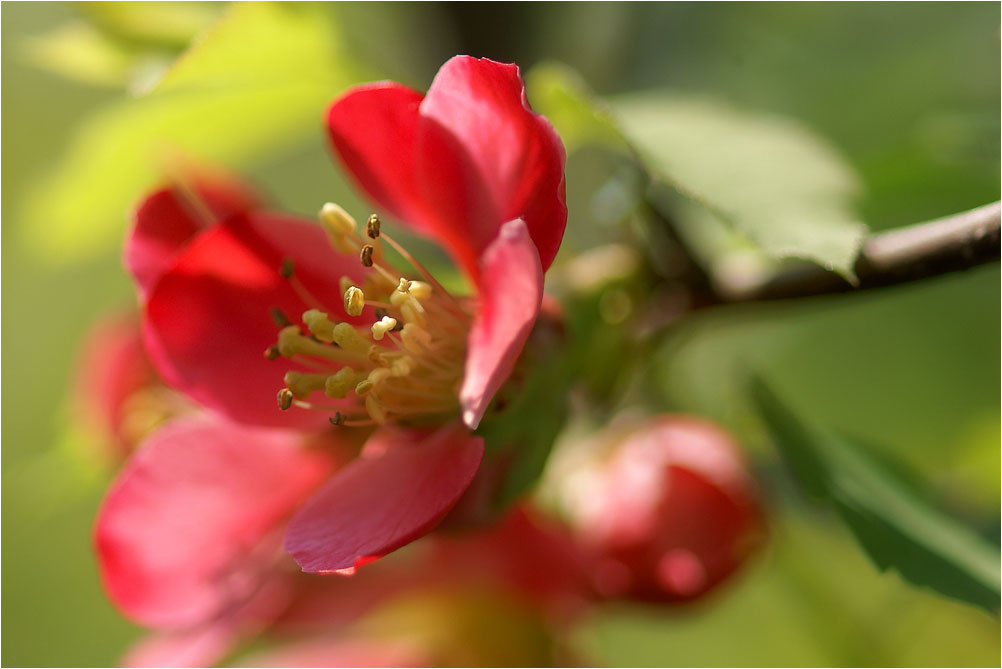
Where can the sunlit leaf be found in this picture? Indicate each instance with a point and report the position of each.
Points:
(164, 24)
(771, 178)
(897, 527)
(259, 81)
(82, 53)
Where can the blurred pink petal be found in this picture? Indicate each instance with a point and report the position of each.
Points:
(384, 500)
(189, 526)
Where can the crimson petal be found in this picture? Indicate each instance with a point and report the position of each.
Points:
(372, 129)
(169, 218)
(398, 490)
(208, 320)
(185, 530)
(511, 163)
(510, 294)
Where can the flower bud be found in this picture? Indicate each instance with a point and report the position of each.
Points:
(669, 512)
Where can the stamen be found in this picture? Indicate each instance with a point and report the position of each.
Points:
(366, 255)
(271, 352)
(337, 385)
(302, 384)
(285, 398)
(279, 317)
(372, 226)
(335, 218)
(375, 409)
(354, 301)
(319, 325)
(337, 419)
(348, 338)
(287, 269)
(382, 326)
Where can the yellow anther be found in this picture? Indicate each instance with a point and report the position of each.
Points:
(348, 338)
(412, 312)
(420, 290)
(363, 387)
(354, 301)
(402, 366)
(289, 339)
(337, 385)
(377, 376)
(414, 339)
(404, 285)
(382, 326)
(337, 220)
(285, 398)
(375, 409)
(319, 325)
(302, 384)
(376, 355)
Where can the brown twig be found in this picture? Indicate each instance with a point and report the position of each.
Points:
(897, 256)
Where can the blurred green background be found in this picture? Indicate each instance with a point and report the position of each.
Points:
(909, 93)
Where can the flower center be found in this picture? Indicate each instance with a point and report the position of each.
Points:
(406, 366)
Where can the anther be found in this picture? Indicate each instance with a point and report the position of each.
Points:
(381, 313)
(363, 387)
(366, 255)
(319, 325)
(302, 384)
(285, 398)
(279, 317)
(372, 226)
(376, 356)
(382, 326)
(287, 269)
(337, 219)
(271, 352)
(336, 419)
(348, 338)
(420, 290)
(354, 301)
(337, 385)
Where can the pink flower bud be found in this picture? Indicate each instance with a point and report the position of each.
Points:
(668, 513)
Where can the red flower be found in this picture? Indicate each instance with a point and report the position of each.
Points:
(469, 165)
(669, 513)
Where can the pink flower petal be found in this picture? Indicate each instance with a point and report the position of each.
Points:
(372, 129)
(397, 491)
(188, 529)
(112, 368)
(507, 161)
(459, 163)
(511, 290)
(167, 220)
(208, 321)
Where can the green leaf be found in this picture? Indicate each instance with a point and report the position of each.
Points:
(897, 528)
(258, 81)
(79, 52)
(770, 178)
(559, 93)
